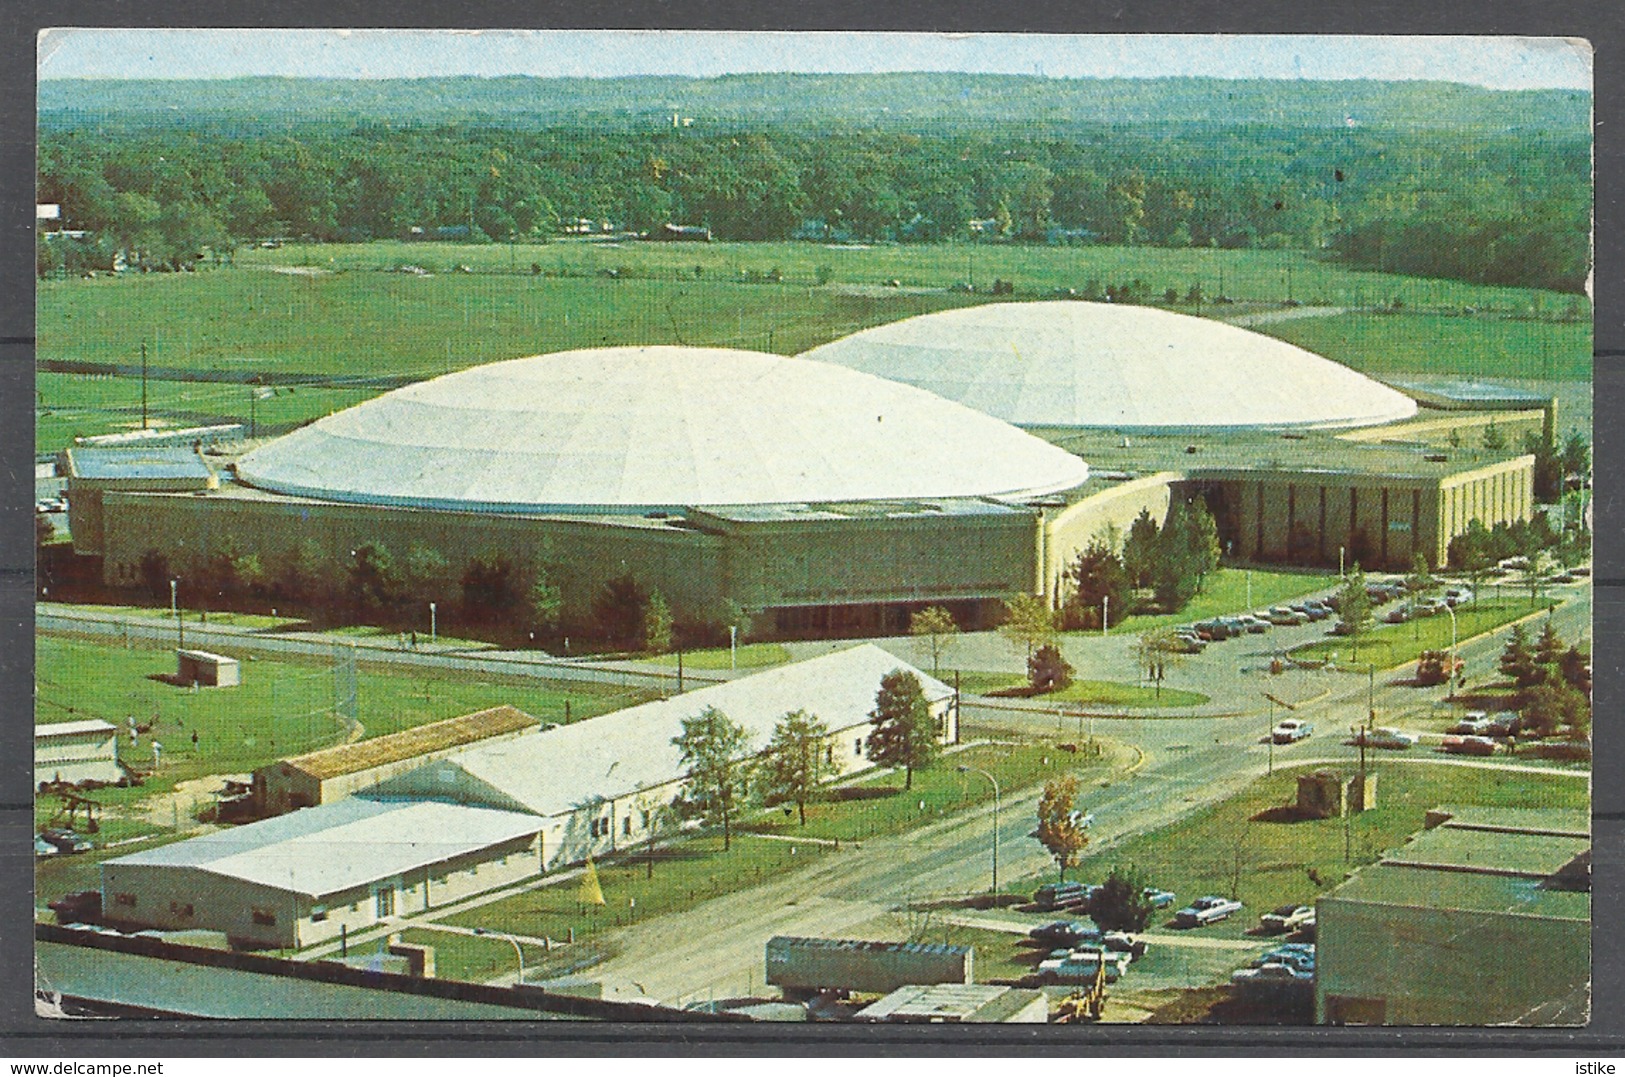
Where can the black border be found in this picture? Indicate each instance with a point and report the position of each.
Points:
(22, 1035)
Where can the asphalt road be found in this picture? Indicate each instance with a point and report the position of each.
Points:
(715, 950)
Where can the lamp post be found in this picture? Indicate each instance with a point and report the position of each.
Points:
(433, 625)
(978, 770)
(733, 646)
(175, 612)
(511, 942)
(1105, 612)
(1450, 672)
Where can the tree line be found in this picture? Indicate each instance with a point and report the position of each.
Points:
(1469, 205)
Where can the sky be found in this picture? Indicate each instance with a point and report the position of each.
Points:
(1496, 62)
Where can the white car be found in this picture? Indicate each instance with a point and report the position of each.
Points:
(1286, 918)
(1290, 731)
(1385, 737)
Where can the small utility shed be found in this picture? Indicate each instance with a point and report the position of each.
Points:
(207, 668)
(301, 878)
(600, 783)
(334, 773)
(76, 752)
(1482, 918)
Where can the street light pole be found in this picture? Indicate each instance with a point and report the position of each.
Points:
(175, 612)
(978, 770)
(1451, 671)
(733, 647)
(1105, 612)
(433, 626)
(511, 942)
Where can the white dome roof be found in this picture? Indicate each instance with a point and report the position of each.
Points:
(634, 429)
(1072, 364)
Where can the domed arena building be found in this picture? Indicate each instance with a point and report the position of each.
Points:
(938, 460)
(1300, 459)
(801, 495)
(1067, 364)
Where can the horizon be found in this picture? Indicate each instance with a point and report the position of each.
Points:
(377, 55)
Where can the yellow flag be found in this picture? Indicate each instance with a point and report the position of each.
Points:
(590, 893)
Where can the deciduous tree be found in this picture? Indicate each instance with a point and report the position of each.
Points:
(713, 747)
(904, 733)
(796, 762)
(1058, 829)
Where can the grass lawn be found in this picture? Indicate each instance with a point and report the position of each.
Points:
(1391, 645)
(1223, 849)
(751, 656)
(686, 872)
(282, 708)
(879, 805)
(1478, 346)
(74, 405)
(1227, 591)
(470, 957)
(1108, 693)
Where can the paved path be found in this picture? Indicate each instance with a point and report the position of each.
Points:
(1285, 314)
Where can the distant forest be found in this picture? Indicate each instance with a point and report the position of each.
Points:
(1417, 178)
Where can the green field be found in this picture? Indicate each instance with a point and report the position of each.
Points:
(282, 708)
(1477, 346)
(878, 805)
(346, 319)
(1106, 693)
(1389, 645)
(1234, 590)
(750, 656)
(1224, 849)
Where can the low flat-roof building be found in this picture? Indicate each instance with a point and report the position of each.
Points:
(1483, 918)
(207, 668)
(305, 877)
(334, 773)
(600, 784)
(76, 752)
(936, 1004)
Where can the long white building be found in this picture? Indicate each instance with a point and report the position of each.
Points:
(486, 816)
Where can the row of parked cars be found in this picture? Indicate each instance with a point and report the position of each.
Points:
(1292, 965)
(1197, 636)
(1081, 896)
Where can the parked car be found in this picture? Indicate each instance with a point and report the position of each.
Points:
(43, 847)
(1455, 596)
(1400, 614)
(1311, 612)
(1272, 975)
(1291, 730)
(1384, 737)
(1468, 745)
(1285, 615)
(1206, 910)
(1253, 623)
(1124, 943)
(1473, 724)
(1286, 918)
(1293, 959)
(1159, 899)
(1081, 965)
(1066, 933)
(1581, 570)
(1183, 644)
(1062, 895)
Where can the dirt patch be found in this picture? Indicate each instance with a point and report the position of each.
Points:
(178, 808)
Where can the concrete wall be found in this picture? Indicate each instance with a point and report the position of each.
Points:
(580, 554)
(1381, 521)
(1067, 532)
(1398, 965)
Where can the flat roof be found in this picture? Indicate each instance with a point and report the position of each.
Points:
(1303, 452)
(556, 771)
(65, 729)
(146, 462)
(866, 510)
(950, 1002)
(337, 847)
(420, 740)
(1494, 860)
